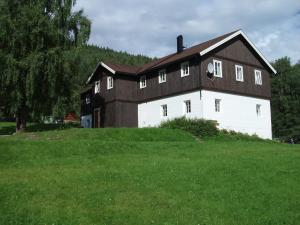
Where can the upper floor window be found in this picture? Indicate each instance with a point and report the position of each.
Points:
(258, 110)
(162, 76)
(97, 87)
(257, 74)
(217, 105)
(164, 110)
(143, 82)
(187, 106)
(217, 68)
(239, 73)
(185, 69)
(110, 82)
(87, 99)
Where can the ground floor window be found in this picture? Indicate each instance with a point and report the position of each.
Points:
(258, 110)
(164, 110)
(188, 107)
(217, 105)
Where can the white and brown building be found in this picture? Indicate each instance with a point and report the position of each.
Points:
(225, 79)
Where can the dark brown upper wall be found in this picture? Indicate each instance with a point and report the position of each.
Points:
(126, 87)
(175, 84)
(236, 52)
(105, 95)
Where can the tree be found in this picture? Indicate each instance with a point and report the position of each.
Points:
(36, 37)
(286, 99)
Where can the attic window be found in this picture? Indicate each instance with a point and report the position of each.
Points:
(185, 69)
(162, 76)
(97, 87)
(143, 82)
(257, 74)
(239, 73)
(87, 99)
(217, 68)
(110, 82)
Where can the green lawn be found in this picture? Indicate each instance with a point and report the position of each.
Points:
(146, 176)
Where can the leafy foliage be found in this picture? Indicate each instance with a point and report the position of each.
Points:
(35, 38)
(286, 99)
(197, 127)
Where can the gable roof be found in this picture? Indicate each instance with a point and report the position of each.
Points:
(201, 49)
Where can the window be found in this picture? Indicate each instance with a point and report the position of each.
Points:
(164, 110)
(258, 110)
(143, 82)
(188, 108)
(217, 68)
(97, 87)
(87, 99)
(239, 74)
(110, 82)
(162, 76)
(257, 74)
(217, 105)
(185, 69)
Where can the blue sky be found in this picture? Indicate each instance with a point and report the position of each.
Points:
(150, 27)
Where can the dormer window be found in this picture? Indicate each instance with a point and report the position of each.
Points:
(110, 82)
(185, 69)
(257, 74)
(239, 73)
(143, 82)
(97, 87)
(162, 76)
(217, 68)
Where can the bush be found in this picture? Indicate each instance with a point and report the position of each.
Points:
(197, 127)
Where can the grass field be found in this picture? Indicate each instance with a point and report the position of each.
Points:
(145, 176)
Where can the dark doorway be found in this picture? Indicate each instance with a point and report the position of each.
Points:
(97, 118)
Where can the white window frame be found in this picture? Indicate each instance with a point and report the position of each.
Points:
(164, 110)
(162, 76)
(185, 71)
(87, 99)
(143, 82)
(215, 71)
(238, 78)
(110, 82)
(97, 87)
(258, 80)
(187, 106)
(218, 105)
(258, 110)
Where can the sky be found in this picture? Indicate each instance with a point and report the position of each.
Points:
(150, 27)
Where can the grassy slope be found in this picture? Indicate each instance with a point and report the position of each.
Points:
(146, 176)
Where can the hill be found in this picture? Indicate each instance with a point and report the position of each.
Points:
(145, 176)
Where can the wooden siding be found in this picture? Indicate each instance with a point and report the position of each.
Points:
(175, 83)
(234, 53)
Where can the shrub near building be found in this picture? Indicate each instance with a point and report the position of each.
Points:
(197, 127)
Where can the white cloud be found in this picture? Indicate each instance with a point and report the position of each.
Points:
(150, 27)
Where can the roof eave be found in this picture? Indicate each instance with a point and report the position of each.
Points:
(104, 66)
(239, 32)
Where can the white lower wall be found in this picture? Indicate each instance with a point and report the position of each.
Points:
(150, 114)
(238, 113)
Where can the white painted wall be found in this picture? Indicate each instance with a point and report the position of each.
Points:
(86, 121)
(238, 113)
(149, 113)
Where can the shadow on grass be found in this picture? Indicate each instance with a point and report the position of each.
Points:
(10, 129)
